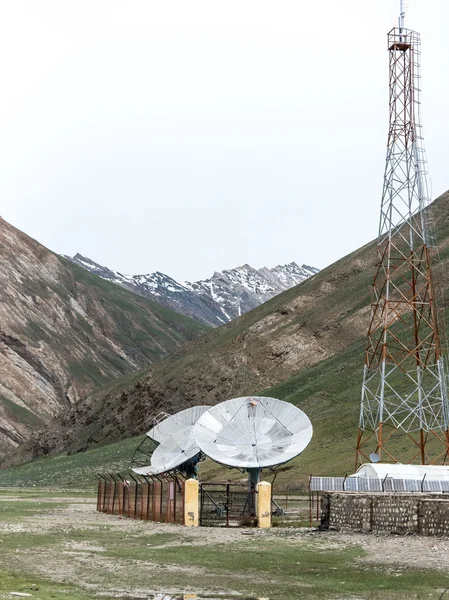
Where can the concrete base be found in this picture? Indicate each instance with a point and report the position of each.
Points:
(191, 507)
(263, 505)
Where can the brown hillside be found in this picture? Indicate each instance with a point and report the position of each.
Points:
(318, 319)
(64, 332)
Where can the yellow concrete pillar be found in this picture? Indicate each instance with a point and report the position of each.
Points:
(263, 512)
(191, 512)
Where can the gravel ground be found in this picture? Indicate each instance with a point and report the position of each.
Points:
(405, 551)
(390, 552)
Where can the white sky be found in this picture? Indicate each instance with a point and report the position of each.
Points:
(189, 136)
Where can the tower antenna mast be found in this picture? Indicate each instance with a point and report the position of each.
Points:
(401, 16)
(404, 412)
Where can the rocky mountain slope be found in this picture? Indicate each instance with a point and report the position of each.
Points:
(64, 332)
(307, 342)
(213, 301)
(305, 346)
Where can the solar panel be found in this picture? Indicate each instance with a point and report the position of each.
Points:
(253, 432)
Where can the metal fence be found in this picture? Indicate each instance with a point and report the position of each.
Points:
(372, 484)
(289, 507)
(149, 499)
(226, 504)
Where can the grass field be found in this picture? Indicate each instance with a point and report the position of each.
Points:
(55, 545)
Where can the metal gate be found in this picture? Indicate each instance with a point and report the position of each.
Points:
(226, 504)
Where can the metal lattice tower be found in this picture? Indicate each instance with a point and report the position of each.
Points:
(404, 383)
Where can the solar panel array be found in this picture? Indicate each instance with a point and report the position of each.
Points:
(372, 484)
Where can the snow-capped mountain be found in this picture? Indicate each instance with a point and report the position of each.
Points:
(213, 301)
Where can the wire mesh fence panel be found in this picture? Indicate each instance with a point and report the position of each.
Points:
(144, 501)
(131, 500)
(226, 505)
(125, 509)
(287, 506)
(120, 495)
(213, 505)
(110, 495)
(242, 507)
(164, 515)
(139, 501)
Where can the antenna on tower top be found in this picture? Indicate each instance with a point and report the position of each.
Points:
(401, 15)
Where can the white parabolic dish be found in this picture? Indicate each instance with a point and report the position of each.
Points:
(253, 432)
(177, 443)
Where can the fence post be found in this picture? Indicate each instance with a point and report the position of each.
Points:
(100, 493)
(191, 503)
(263, 504)
(121, 498)
(310, 500)
(126, 488)
(105, 492)
(170, 502)
(422, 482)
(181, 489)
(109, 488)
(115, 490)
(201, 502)
(157, 508)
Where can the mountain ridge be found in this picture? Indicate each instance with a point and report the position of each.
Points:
(305, 345)
(214, 301)
(64, 331)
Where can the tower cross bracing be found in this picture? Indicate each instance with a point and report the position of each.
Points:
(404, 381)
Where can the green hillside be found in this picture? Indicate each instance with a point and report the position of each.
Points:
(329, 392)
(304, 346)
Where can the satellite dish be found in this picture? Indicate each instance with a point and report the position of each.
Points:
(144, 470)
(253, 432)
(177, 444)
(374, 457)
(170, 454)
(155, 432)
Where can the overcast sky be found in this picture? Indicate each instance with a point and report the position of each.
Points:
(189, 136)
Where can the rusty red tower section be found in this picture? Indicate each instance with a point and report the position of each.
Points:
(404, 414)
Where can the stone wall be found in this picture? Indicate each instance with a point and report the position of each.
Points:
(395, 513)
(383, 512)
(346, 511)
(433, 517)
